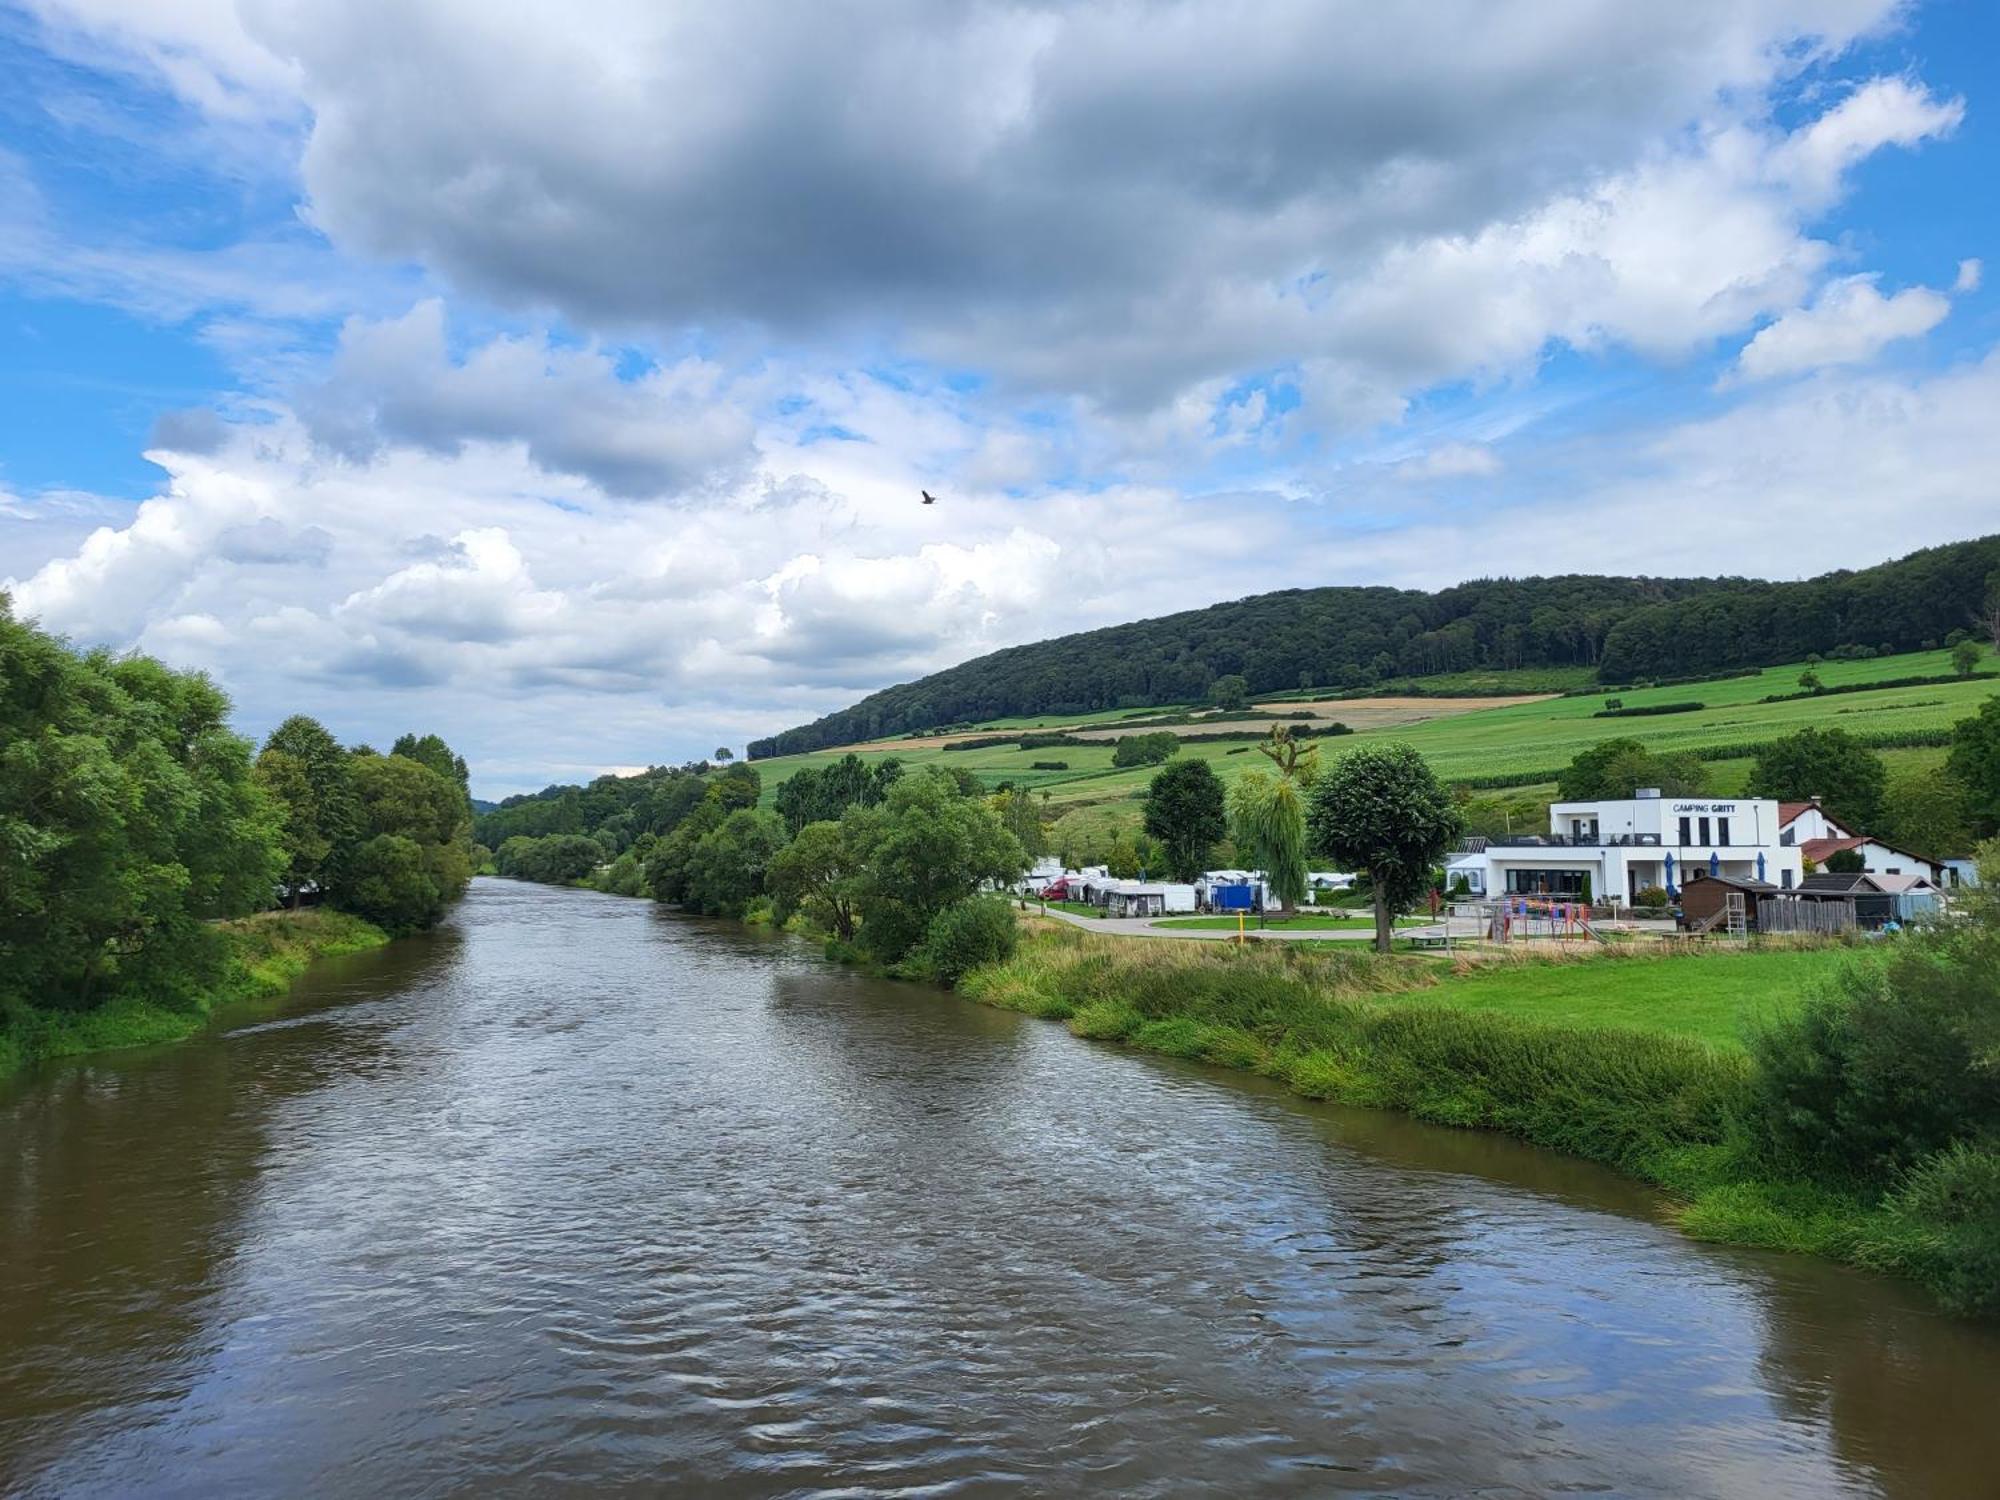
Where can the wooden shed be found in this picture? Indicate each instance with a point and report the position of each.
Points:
(1704, 898)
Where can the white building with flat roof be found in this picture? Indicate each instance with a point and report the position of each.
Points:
(1610, 851)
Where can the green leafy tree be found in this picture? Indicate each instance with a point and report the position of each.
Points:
(1965, 658)
(389, 881)
(403, 802)
(1617, 767)
(738, 787)
(723, 755)
(928, 847)
(1229, 693)
(1975, 763)
(725, 871)
(818, 873)
(1847, 777)
(558, 859)
(1846, 862)
(1809, 679)
(1267, 817)
(431, 751)
(1381, 810)
(1021, 815)
(310, 779)
(667, 865)
(1927, 811)
(1144, 749)
(1186, 812)
(129, 818)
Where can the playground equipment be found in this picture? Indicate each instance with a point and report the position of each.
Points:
(1512, 918)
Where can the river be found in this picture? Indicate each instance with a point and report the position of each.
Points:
(576, 1195)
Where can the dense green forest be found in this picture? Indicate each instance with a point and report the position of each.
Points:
(1626, 629)
(134, 824)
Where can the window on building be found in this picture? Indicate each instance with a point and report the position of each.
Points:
(1722, 825)
(1704, 831)
(1785, 879)
(1684, 831)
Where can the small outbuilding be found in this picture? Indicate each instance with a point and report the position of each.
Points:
(1705, 899)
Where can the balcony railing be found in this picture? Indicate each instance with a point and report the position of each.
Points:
(1575, 841)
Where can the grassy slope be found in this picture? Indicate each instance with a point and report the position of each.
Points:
(1366, 1031)
(1497, 741)
(268, 952)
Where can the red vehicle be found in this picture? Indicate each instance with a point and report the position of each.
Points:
(1056, 891)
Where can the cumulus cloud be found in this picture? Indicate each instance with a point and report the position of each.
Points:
(1122, 200)
(661, 434)
(1849, 324)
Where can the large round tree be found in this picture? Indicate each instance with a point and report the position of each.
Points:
(1830, 764)
(1184, 811)
(1381, 809)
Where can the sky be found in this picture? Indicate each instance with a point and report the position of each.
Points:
(562, 379)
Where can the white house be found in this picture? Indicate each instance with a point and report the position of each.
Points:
(1961, 871)
(1609, 851)
(1819, 836)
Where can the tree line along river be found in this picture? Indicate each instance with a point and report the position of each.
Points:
(576, 1195)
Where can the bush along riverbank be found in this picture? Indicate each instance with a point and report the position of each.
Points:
(1863, 1125)
(263, 956)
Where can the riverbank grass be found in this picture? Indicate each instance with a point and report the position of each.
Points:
(267, 953)
(1631, 1060)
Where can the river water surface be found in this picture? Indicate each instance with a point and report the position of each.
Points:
(580, 1196)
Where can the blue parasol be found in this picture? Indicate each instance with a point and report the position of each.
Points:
(1672, 894)
(1760, 864)
(1714, 863)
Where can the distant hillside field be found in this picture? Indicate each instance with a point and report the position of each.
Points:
(1541, 634)
(1520, 742)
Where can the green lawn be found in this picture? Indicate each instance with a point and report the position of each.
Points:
(1710, 996)
(1308, 922)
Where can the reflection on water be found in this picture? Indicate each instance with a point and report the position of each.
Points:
(581, 1195)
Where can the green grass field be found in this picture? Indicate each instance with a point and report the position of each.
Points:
(1305, 922)
(1094, 799)
(1713, 997)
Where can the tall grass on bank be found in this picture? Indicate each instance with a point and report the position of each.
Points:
(1351, 1027)
(1382, 1033)
(267, 953)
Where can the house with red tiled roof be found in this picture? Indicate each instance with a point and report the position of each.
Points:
(1877, 857)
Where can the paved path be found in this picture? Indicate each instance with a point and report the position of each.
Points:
(1462, 929)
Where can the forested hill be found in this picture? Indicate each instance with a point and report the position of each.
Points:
(1340, 638)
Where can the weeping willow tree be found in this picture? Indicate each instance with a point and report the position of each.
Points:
(1267, 816)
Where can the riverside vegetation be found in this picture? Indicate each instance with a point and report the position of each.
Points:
(143, 846)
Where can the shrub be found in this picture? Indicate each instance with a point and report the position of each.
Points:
(1048, 765)
(1883, 1067)
(1945, 1229)
(1615, 709)
(1652, 897)
(1144, 749)
(965, 936)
